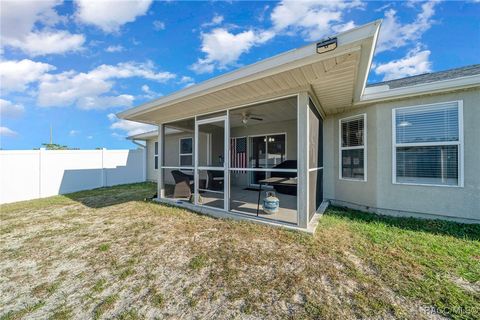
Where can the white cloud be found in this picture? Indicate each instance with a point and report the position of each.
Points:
(158, 25)
(73, 133)
(92, 90)
(115, 49)
(131, 69)
(223, 48)
(415, 62)
(28, 26)
(146, 89)
(130, 127)
(343, 27)
(15, 75)
(110, 15)
(311, 19)
(394, 34)
(7, 132)
(261, 16)
(186, 79)
(216, 20)
(89, 137)
(105, 102)
(10, 110)
(43, 43)
(111, 116)
(149, 93)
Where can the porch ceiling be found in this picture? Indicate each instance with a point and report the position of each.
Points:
(336, 78)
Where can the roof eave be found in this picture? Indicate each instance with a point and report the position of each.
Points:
(143, 136)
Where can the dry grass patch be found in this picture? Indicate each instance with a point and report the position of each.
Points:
(106, 253)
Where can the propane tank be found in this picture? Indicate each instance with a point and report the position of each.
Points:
(270, 203)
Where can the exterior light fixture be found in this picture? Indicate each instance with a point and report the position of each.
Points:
(326, 45)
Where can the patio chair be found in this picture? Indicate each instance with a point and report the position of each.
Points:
(215, 180)
(183, 184)
(287, 164)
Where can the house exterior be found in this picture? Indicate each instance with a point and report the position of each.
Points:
(279, 140)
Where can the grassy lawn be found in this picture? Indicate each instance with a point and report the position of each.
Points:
(108, 254)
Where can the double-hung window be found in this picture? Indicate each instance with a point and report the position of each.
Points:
(186, 152)
(353, 153)
(427, 144)
(155, 156)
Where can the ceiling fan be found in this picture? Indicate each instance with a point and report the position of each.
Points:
(246, 116)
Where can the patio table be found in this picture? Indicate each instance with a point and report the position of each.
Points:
(274, 181)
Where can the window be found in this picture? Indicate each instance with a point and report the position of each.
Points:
(428, 144)
(155, 156)
(352, 148)
(186, 152)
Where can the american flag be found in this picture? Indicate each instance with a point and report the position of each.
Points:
(238, 153)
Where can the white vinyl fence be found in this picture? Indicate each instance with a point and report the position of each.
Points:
(33, 174)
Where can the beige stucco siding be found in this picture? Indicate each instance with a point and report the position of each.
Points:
(378, 192)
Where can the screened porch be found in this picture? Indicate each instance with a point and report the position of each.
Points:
(235, 159)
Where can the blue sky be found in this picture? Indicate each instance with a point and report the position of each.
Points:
(73, 65)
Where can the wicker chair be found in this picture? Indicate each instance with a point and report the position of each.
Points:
(183, 184)
(215, 180)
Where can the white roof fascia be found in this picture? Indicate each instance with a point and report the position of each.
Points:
(273, 65)
(374, 94)
(361, 86)
(144, 135)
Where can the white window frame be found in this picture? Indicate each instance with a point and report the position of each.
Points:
(458, 143)
(180, 154)
(364, 147)
(155, 155)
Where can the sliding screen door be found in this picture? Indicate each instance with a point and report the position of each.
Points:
(210, 173)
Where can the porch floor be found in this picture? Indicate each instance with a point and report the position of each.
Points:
(245, 202)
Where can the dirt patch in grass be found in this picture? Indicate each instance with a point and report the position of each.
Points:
(107, 253)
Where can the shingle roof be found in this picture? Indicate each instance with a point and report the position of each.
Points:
(430, 77)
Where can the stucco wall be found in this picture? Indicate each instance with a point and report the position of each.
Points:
(378, 193)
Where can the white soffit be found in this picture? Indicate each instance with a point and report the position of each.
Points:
(337, 78)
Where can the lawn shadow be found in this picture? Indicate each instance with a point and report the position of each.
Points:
(109, 196)
(434, 226)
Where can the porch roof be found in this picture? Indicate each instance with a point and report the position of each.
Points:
(337, 79)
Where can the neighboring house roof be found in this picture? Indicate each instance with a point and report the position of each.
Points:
(428, 83)
(430, 77)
